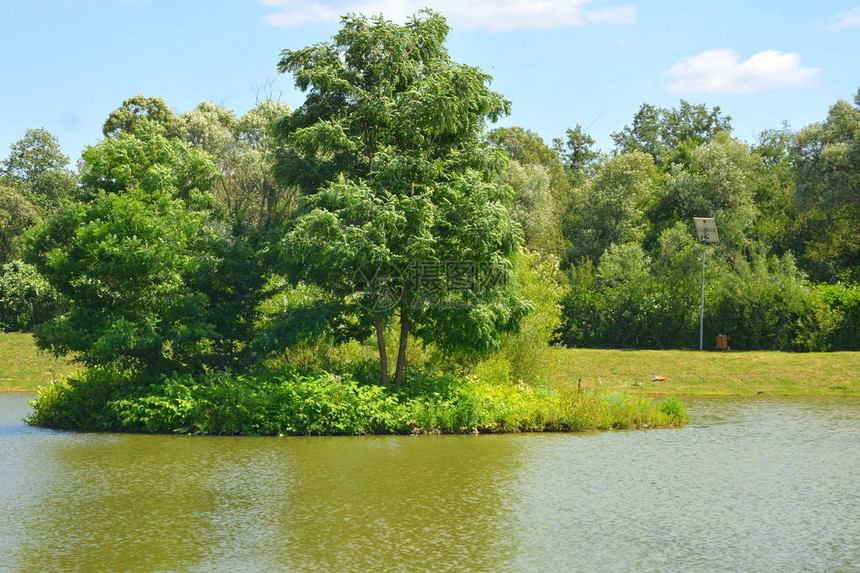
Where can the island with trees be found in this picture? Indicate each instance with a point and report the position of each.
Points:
(379, 260)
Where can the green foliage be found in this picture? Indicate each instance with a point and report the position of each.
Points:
(149, 161)
(827, 157)
(242, 149)
(622, 304)
(82, 401)
(673, 407)
(844, 300)
(665, 134)
(719, 182)
(139, 110)
(764, 304)
(577, 153)
(533, 206)
(543, 285)
(528, 148)
(37, 168)
(26, 298)
(34, 182)
(388, 152)
(17, 214)
(152, 280)
(611, 207)
(123, 263)
(289, 403)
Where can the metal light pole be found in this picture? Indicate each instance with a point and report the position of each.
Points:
(702, 308)
(706, 229)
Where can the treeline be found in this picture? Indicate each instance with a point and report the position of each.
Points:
(618, 225)
(785, 273)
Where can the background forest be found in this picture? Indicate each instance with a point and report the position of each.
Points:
(612, 231)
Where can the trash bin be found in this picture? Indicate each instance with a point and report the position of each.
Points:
(722, 342)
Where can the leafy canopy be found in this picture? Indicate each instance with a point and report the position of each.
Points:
(389, 152)
(153, 281)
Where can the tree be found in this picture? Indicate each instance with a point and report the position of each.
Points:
(577, 153)
(136, 110)
(719, 181)
(242, 149)
(39, 170)
(527, 147)
(541, 189)
(154, 281)
(400, 211)
(146, 159)
(827, 156)
(666, 134)
(26, 298)
(775, 188)
(611, 208)
(533, 206)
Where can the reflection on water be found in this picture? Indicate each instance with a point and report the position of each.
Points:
(753, 485)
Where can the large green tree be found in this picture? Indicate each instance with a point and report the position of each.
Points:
(154, 281)
(401, 213)
(827, 156)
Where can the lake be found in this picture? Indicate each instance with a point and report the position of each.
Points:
(753, 484)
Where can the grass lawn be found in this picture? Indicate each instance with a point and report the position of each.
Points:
(693, 372)
(23, 367)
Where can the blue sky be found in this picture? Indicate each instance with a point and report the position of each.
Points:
(67, 63)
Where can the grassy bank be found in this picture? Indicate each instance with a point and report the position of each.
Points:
(23, 367)
(701, 373)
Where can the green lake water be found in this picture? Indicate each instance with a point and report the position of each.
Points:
(754, 484)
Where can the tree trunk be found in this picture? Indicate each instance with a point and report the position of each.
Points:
(401, 351)
(383, 352)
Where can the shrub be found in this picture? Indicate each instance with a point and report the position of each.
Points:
(287, 404)
(543, 285)
(766, 305)
(843, 299)
(325, 404)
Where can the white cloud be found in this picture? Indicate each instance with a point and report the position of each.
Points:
(721, 71)
(842, 20)
(493, 15)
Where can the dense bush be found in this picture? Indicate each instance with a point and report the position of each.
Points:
(26, 298)
(624, 304)
(289, 403)
(844, 299)
(760, 305)
(765, 305)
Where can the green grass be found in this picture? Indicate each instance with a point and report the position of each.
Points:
(23, 367)
(714, 373)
